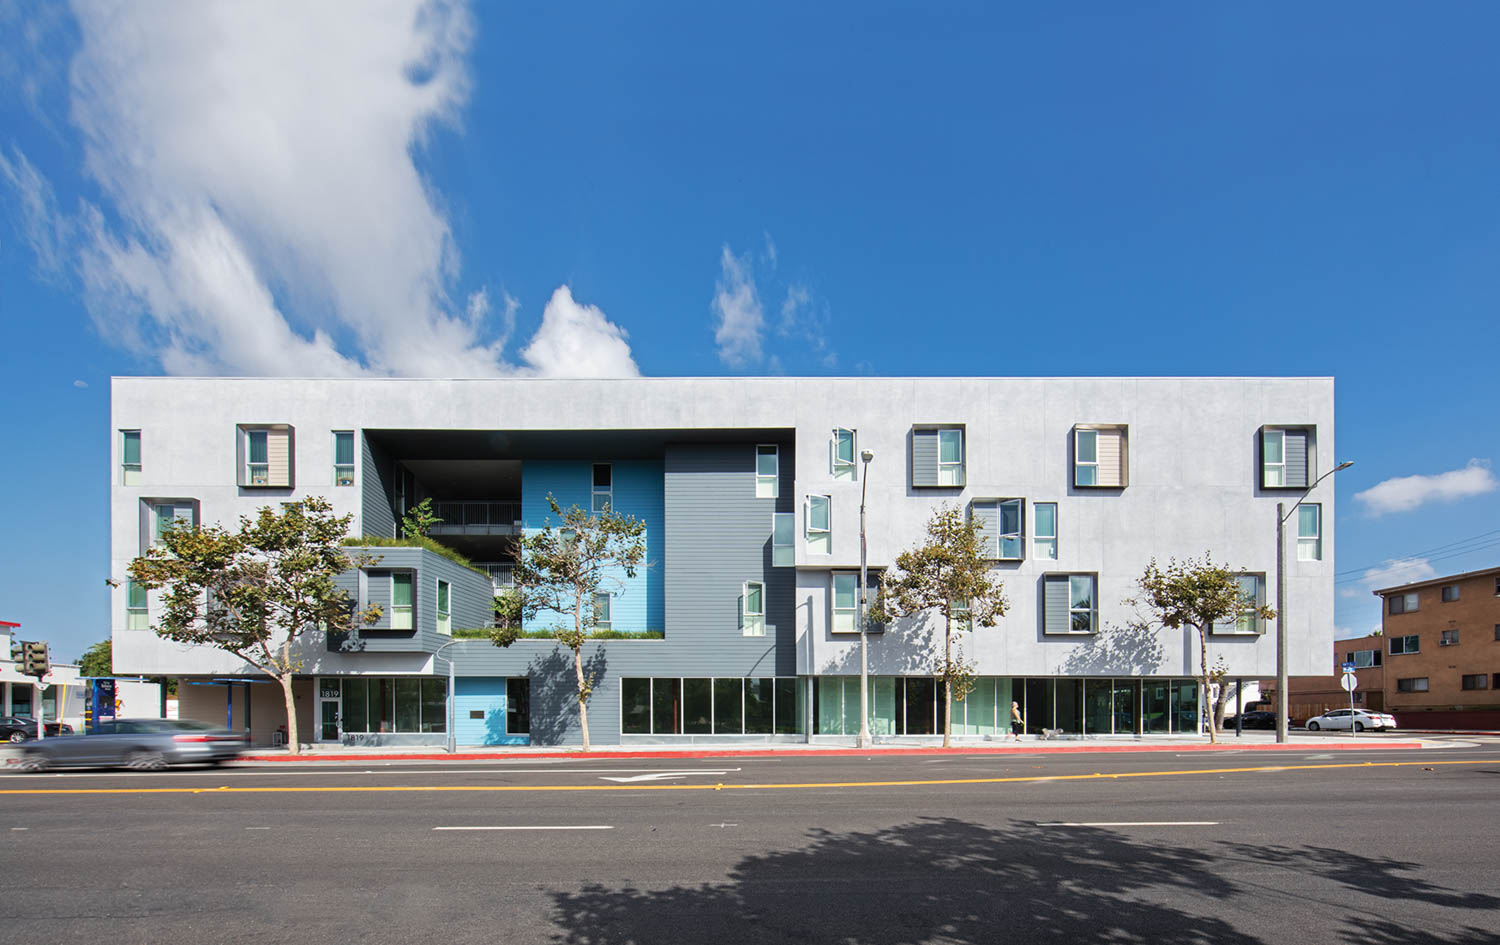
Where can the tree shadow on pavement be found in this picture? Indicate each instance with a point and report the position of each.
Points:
(1368, 931)
(1381, 877)
(933, 880)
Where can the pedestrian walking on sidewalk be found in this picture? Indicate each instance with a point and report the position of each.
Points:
(1017, 724)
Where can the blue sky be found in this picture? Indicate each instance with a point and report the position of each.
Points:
(687, 189)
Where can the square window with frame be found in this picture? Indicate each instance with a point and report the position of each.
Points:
(1070, 603)
(818, 524)
(603, 490)
(1450, 593)
(1412, 684)
(767, 471)
(158, 515)
(1475, 681)
(1252, 598)
(1448, 638)
(1002, 524)
(1286, 454)
(265, 455)
(1406, 643)
(1099, 456)
(937, 456)
(1402, 603)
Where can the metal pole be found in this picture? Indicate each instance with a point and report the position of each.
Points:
(1281, 670)
(452, 743)
(864, 644)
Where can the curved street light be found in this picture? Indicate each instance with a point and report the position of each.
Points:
(1282, 702)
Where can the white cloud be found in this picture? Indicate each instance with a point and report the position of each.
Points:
(45, 230)
(264, 213)
(1397, 571)
(740, 319)
(80, 384)
(578, 341)
(1404, 493)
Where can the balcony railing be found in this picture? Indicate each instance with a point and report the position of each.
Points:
(480, 517)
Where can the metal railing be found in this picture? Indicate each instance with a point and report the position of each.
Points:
(480, 517)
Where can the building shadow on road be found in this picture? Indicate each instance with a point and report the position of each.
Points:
(952, 881)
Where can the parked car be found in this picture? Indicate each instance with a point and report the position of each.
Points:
(13, 729)
(147, 744)
(1256, 719)
(1358, 719)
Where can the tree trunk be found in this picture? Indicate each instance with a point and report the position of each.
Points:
(583, 707)
(948, 680)
(1213, 735)
(1220, 701)
(293, 742)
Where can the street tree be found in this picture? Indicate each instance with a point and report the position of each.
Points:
(557, 573)
(1197, 594)
(97, 660)
(950, 575)
(256, 592)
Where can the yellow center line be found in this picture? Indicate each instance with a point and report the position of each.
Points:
(810, 785)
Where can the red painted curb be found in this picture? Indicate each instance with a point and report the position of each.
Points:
(821, 752)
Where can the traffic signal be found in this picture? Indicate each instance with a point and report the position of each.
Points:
(37, 660)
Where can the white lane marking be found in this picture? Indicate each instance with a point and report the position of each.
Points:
(723, 825)
(664, 775)
(572, 827)
(257, 828)
(20, 828)
(1132, 823)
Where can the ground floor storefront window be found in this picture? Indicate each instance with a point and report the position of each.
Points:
(914, 705)
(672, 705)
(392, 704)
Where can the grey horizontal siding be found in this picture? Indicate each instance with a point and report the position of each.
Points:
(376, 515)
(1296, 459)
(1055, 604)
(924, 457)
(470, 603)
(987, 514)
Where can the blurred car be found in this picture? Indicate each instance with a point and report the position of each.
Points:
(146, 744)
(1256, 719)
(13, 729)
(1358, 719)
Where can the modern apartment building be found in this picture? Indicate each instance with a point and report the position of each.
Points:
(750, 491)
(1441, 666)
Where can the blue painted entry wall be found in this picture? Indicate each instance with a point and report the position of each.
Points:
(486, 695)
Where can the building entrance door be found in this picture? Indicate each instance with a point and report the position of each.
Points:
(328, 710)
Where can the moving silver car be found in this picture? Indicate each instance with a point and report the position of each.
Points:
(145, 744)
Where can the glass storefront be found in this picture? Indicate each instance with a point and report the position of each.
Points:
(392, 704)
(668, 705)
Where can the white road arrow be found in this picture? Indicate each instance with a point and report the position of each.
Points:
(665, 775)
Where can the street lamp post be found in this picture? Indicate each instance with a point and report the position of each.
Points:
(864, 643)
(452, 745)
(1282, 696)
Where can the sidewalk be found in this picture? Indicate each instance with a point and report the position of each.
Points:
(1256, 741)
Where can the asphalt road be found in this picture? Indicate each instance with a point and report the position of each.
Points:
(1374, 847)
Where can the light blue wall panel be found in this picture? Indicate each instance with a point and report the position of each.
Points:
(484, 694)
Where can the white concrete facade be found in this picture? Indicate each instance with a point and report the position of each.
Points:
(1193, 487)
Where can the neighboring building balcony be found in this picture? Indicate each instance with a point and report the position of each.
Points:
(476, 517)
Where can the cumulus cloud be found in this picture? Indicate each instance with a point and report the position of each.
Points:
(1404, 493)
(578, 341)
(263, 209)
(736, 305)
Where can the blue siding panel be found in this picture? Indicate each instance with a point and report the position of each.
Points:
(486, 695)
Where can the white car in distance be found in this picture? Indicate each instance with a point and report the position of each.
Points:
(1357, 719)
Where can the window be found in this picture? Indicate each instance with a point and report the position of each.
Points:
(265, 456)
(401, 604)
(444, 611)
(1044, 523)
(1099, 456)
(819, 532)
(1411, 643)
(937, 456)
(1413, 684)
(767, 471)
(1363, 659)
(160, 515)
(604, 487)
(343, 457)
(961, 615)
(845, 602)
(1476, 681)
(1450, 592)
(1403, 603)
(783, 539)
(1285, 457)
(1002, 529)
(130, 457)
(1448, 638)
(1310, 532)
(603, 611)
(1497, 632)
(1070, 603)
(136, 616)
(841, 454)
(1252, 598)
(753, 609)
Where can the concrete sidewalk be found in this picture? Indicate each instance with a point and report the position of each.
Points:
(1249, 741)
